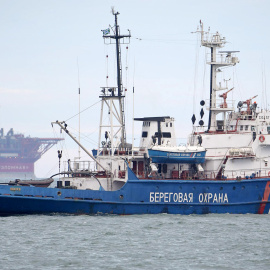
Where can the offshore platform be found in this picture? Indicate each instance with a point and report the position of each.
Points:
(19, 153)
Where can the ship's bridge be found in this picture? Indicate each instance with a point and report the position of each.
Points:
(157, 130)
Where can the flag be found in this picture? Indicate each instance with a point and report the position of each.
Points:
(106, 31)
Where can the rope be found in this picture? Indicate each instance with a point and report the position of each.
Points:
(107, 68)
(186, 41)
(84, 137)
(126, 93)
(83, 111)
(195, 74)
(203, 93)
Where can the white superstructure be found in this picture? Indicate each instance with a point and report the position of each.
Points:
(238, 146)
(157, 130)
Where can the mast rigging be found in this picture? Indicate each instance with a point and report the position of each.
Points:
(117, 37)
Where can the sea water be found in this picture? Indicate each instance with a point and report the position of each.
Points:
(135, 242)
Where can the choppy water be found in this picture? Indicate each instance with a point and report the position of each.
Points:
(135, 242)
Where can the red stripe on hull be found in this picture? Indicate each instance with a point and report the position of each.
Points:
(265, 198)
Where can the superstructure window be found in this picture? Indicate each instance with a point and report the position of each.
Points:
(246, 127)
(268, 130)
(170, 124)
(146, 124)
(241, 127)
(144, 134)
(166, 134)
(67, 183)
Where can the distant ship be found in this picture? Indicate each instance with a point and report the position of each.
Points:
(19, 153)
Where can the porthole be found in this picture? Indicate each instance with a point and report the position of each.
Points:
(243, 187)
(234, 188)
(121, 197)
(180, 187)
(221, 188)
(59, 193)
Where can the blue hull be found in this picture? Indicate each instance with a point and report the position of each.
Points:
(142, 197)
(159, 156)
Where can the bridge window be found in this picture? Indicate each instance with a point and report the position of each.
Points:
(144, 134)
(146, 124)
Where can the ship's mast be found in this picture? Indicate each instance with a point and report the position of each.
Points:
(117, 37)
(112, 95)
(225, 58)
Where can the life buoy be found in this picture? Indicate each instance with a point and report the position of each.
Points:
(261, 138)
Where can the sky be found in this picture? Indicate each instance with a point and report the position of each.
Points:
(50, 48)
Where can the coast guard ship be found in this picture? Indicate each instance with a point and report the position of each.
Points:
(223, 168)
